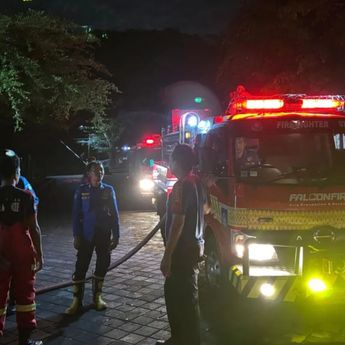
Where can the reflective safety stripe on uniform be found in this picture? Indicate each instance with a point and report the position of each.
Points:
(3, 311)
(25, 316)
(2, 319)
(98, 278)
(25, 308)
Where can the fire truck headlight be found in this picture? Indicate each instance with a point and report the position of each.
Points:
(146, 185)
(239, 249)
(192, 121)
(317, 285)
(267, 290)
(257, 252)
(262, 252)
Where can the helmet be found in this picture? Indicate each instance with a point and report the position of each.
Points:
(9, 164)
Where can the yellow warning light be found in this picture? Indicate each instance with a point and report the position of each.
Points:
(188, 135)
(317, 285)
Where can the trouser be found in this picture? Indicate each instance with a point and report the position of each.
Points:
(161, 201)
(17, 250)
(11, 297)
(182, 303)
(100, 243)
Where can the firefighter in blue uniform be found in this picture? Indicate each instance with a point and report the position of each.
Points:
(23, 183)
(95, 227)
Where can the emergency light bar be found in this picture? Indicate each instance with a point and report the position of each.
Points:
(286, 103)
(263, 104)
(322, 103)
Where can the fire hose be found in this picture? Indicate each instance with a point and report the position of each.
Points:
(113, 265)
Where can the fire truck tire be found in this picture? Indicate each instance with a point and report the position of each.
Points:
(215, 272)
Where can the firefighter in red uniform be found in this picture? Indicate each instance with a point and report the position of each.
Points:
(20, 248)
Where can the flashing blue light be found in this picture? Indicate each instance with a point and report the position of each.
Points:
(204, 126)
(192, 121)
(125, 148)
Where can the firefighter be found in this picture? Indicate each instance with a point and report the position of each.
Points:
(245, 156)
(184, 249)
(95, 227)
(20, 248)
(23, 183)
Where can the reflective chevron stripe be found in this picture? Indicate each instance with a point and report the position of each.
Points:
(251, 219)
(286, 288)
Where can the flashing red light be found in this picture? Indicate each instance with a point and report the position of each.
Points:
(152, 140)
(258, 104)
(218, 119)
(322, 103)
(149, 141)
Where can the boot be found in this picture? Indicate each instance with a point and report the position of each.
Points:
(23, 338)
(78, 295)
(97, 284)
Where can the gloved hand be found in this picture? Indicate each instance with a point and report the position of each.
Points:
(113, 243)
(38, 263)
(77, 242)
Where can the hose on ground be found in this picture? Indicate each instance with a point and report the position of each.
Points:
(113, 265)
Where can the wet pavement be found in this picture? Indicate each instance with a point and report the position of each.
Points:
(134, 291)
(136, 311)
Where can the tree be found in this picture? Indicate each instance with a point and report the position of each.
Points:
(286, 46)
(48, 73)
(102, 134)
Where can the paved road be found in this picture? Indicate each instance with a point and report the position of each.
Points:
(136, 312)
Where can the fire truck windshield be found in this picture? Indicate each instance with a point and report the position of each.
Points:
(291, 158)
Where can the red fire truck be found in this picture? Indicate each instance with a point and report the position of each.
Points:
(187, 125)
(140, 163)
(275, 169)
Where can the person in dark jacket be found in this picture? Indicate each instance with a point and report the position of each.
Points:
(95, 227)
(184, 249)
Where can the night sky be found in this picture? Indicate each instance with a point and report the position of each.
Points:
(189, 16)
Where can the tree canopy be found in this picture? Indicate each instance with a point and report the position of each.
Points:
(286, 46)
(48, 72)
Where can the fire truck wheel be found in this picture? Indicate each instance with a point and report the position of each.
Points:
(214, 271)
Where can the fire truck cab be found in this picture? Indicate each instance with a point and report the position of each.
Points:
(141, 161)
(275, 169)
